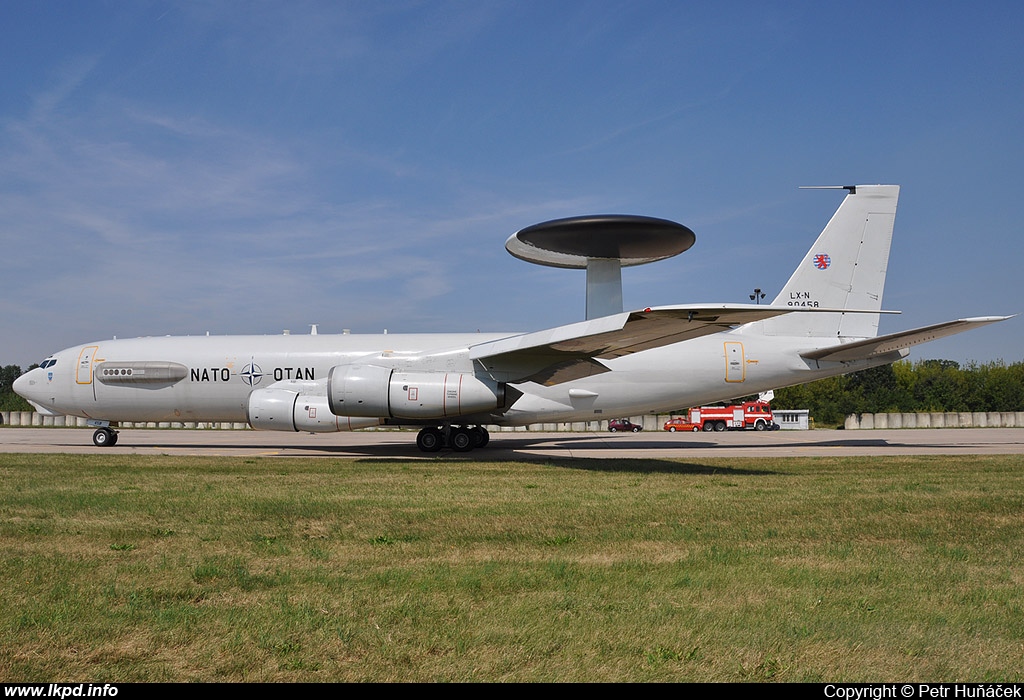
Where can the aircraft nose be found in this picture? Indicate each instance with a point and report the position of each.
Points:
(27, 386)
(20, 385)
(35, 387)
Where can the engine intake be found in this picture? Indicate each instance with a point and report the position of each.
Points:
(373, 391)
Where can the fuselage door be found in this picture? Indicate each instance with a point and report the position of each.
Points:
(734, 367)
(83, 372)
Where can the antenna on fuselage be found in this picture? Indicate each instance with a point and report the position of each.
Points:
(602, 245)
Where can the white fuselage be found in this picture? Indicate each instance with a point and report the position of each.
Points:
(216, 375)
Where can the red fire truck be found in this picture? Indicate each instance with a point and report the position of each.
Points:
(755, 415)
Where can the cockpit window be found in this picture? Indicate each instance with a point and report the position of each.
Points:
(48, 362)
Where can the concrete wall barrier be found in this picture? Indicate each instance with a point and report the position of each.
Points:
(977, 419)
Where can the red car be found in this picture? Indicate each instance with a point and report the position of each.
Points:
(621, 424)
(674, 425)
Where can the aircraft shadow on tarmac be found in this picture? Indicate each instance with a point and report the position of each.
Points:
(606, 453)
(500, 450)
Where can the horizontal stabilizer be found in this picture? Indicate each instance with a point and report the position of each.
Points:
(571, 352)
(873, 347)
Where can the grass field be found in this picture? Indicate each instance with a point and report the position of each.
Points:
(121, 568)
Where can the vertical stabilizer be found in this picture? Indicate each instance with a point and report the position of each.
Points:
(844, 269)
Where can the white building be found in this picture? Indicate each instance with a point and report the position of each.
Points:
(792, 419)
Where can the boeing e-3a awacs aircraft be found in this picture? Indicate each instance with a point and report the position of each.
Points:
(823, 323)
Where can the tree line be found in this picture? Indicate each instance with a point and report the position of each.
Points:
(903, 387)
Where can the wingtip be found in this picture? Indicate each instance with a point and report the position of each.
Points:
(988, 319)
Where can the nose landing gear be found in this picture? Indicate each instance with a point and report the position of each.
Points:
(104, 437)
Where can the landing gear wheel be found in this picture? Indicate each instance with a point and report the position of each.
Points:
(480, 437)
(104, 437)
(461, 440)
(429, 440)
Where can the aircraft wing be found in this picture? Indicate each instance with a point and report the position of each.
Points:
(574, 351)
(872, 347)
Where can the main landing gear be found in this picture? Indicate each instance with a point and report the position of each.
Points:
(104, 437)
(458, 437)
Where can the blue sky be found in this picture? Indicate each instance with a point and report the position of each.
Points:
(248, 167)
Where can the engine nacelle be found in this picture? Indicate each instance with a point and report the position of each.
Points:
(282, 409)
(370, 390)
